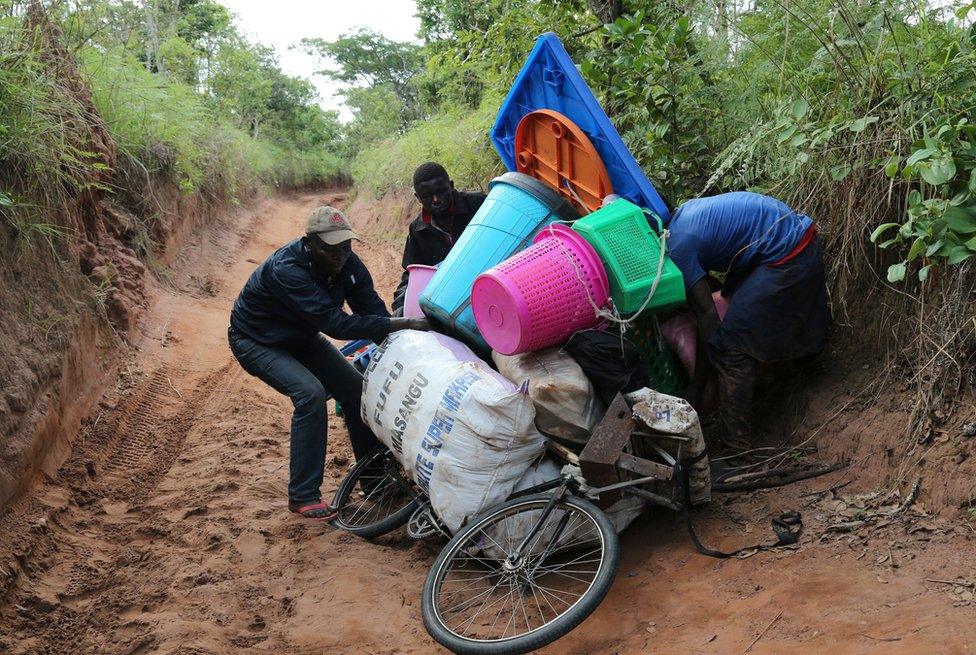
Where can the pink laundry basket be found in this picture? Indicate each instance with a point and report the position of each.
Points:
(542, 295)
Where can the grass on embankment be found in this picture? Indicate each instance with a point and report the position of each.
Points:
(456, 139)
(169, 129)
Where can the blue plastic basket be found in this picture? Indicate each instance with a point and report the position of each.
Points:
(549, 80)
(516, 208)
(359, 353)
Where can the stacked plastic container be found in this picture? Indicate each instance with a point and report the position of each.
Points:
(541, 296)
(419, 277)
(516, 208)
(494, 290)
(631, 252)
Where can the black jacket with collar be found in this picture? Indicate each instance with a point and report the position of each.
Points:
(286, 301)
(428, 244)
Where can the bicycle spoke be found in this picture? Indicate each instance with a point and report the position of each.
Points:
(525, 614)
(569, 577)
(576, 559)
(542, 585)
(480, 577)
(505, 552)
(511, 621)
(535, 597)
(472, 586)
(546, 592)
(553, 592)
(481, 560)
(385, 495)
(550, 570)
(491, 628)
(484, 595)
(482, 608)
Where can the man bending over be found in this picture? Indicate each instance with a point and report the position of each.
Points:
(775, 284)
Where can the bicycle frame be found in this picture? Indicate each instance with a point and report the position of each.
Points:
(358, 353)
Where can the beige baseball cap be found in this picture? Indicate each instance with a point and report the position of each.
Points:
(330, 225)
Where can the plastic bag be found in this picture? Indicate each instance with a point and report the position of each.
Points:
(669, 415)
(566, 406)
(681, 333)
(612, 363)
(463, 433)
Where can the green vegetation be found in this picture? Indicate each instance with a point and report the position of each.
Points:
(857, 113)
(457, 139)
(183, 96)
(168, 127)
(41, 165)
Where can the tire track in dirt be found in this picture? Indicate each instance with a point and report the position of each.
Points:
(67, 548)
(79, 570)
(147, 441)
(134, 439)
(101, 554)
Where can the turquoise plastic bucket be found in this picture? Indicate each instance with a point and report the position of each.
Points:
(516, 208)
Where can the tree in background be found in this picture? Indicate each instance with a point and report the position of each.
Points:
(381, 78)
(196, 43)
(797, 99)
(474, 49)
(184, 95)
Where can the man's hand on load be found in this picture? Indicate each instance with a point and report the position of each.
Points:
(412, 323)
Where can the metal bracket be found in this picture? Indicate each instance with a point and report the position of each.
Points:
(651, 470)
(603, 459)
(598, 460)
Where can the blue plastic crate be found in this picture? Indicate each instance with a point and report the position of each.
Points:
(549, 80)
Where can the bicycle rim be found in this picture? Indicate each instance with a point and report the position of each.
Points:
(375, 495)
(488, 602)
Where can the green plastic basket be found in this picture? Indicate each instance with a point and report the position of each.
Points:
(630, 251)
(662, 366)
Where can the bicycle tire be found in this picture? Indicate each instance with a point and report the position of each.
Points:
(546, 633)
(382, 524)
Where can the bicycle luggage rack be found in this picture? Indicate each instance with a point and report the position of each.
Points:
(605, 457)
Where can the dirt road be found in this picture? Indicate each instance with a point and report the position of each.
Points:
(166, 531)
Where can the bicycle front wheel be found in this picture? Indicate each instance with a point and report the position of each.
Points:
(375, 497)
(486, 596)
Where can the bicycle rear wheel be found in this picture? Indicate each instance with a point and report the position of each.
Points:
(375, 497)
(484, 598)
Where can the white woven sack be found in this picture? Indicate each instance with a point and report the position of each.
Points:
(463, 432)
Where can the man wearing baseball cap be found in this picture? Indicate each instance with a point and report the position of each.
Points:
(276, 334)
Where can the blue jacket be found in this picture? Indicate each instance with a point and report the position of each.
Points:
(286, 301)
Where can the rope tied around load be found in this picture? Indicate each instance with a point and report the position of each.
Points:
(611, 314)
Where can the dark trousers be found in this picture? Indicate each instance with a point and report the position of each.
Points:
(776, 313)
(308, 372)
(736, 374)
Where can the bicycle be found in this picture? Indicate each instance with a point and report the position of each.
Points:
(526, 572)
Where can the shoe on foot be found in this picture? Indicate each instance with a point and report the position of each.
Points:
(315, 509)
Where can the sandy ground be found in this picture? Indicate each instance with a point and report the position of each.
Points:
(166, 531)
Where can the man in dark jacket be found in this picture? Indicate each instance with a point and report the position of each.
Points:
(275, 333)
(444, 214)
(775, 285)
